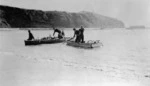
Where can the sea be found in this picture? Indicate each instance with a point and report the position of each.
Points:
(123, 60)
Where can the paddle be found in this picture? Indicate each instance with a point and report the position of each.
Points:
(70, 39)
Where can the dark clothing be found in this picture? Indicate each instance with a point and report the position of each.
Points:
(77, 39)
(77, 34)
(60, 36)
(59, 33)
(81, 30)
(82, 38)
(57, 30)
(30, 36)
(81, 35)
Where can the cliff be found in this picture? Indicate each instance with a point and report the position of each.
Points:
(24, 18)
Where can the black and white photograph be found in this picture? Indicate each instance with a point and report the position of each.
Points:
(74, 42)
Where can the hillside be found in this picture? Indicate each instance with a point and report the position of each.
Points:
(24, 18)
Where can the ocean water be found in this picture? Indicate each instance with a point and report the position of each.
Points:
(124, 60)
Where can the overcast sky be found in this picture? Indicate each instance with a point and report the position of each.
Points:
(131, 12)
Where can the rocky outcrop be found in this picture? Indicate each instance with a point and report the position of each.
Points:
(24, 18)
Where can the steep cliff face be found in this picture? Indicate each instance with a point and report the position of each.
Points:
(16, 18)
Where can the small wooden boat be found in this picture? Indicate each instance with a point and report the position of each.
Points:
(32, 42)
(88, 44)
(44, 41)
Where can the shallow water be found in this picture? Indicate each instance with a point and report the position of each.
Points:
(124, 57)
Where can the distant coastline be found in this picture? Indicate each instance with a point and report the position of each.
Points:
(137, 27)
(12, 17)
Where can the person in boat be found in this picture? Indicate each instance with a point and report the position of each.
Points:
(31, 37)
(60, 33)
(81, 34)
(77, 35)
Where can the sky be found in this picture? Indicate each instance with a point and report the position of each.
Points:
(131, 12)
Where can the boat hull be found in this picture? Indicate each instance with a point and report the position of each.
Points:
(84, 45)
(32, 42)
(45, 41)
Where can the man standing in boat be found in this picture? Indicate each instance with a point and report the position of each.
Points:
(81, 34)
(60, 34)
(30, 35)
(77, 35)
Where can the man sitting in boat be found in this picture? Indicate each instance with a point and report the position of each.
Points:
(77, 35)
(30, 35)
(60, 33)
(81, 34)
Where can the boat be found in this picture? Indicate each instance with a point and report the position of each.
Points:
(32, 42)
(45, 40)
(88, 44)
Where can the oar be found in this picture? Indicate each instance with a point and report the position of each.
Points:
(70, 39)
